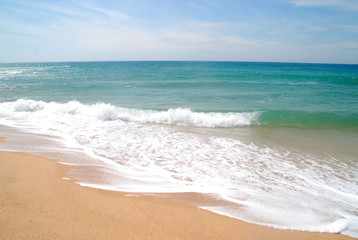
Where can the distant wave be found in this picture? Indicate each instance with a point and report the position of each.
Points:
(186, 116)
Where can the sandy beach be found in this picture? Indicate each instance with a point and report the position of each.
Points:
(37, 201)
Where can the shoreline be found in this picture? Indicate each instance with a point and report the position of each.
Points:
(37, 201)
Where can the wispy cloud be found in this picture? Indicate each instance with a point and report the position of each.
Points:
(95, 32)
(347, 27)
(234, 39)
(351, 5)
(91, 30)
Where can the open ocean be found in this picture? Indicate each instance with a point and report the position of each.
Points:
(269, 143)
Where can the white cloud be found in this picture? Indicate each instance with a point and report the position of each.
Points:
(234, 39)
(186, 36)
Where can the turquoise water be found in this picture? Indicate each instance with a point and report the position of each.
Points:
(276, 142)
(288, 94)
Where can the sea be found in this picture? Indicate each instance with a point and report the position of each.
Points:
(269, 143)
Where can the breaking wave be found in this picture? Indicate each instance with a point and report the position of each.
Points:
(108, 112)
(186, 116)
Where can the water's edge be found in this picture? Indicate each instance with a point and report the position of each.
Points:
(89, 172)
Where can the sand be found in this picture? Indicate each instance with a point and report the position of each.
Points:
(37, 202)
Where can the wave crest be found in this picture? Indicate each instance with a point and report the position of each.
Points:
(23, 105)
(187, 117)
(183, 116)
(108, 112)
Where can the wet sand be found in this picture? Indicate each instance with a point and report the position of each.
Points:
(37, 202)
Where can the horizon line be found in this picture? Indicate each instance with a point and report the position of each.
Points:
(233, 61)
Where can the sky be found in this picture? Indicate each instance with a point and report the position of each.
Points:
(315, 31)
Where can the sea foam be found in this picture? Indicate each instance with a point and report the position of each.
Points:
(108, 112)
(22, 105)
(265, 185)
(186, 117)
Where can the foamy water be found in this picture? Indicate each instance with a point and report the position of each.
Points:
(147, 151)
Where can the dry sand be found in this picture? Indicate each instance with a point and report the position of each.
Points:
(37, 203)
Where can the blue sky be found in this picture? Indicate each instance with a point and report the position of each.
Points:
(226, 30)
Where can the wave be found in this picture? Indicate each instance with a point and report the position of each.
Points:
(108, 112)
(186, 116)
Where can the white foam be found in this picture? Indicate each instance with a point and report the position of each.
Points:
(186, 117)
(10, 72)
(107, 112)
(22, 105)
(338, 226)
(271, 186)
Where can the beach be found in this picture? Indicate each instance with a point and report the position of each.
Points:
(38, 201)
(272, 144)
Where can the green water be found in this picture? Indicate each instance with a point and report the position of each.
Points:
(288, 94)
